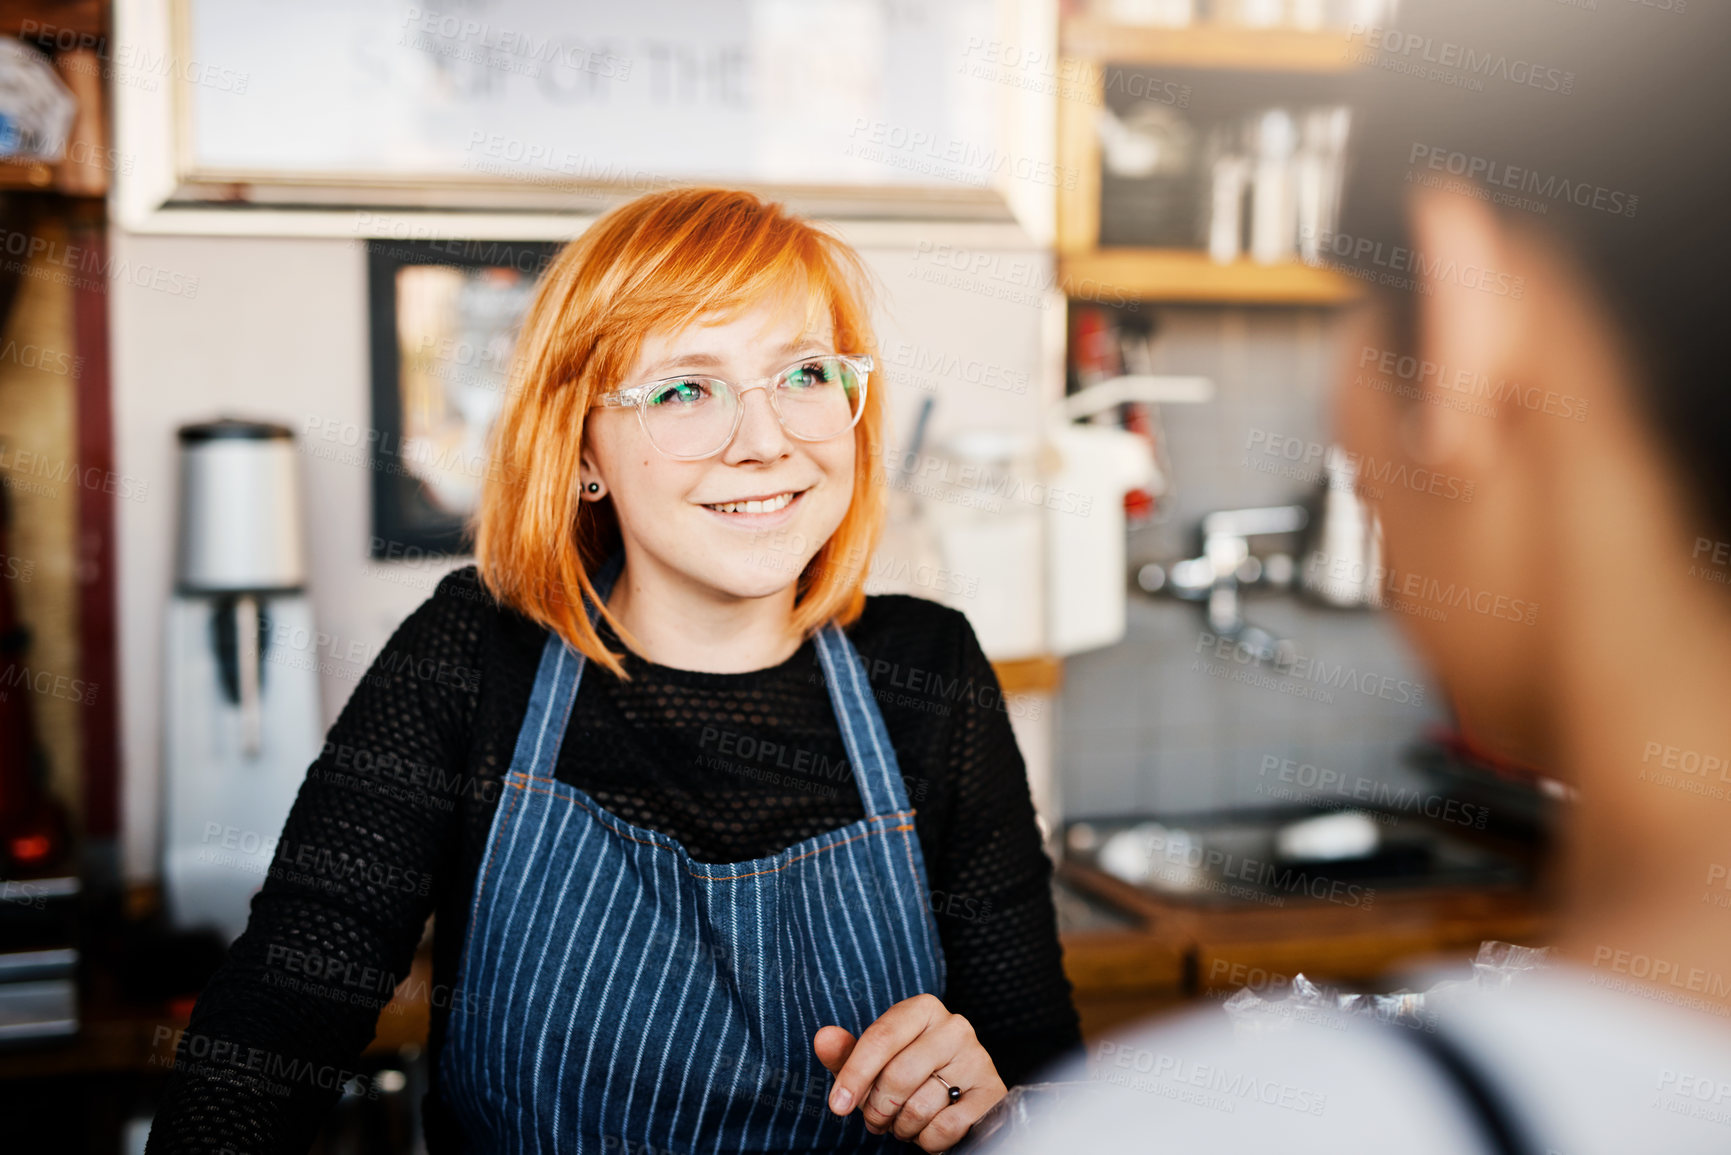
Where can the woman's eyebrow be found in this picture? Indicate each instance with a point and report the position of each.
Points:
(690, 360)
(711, 361)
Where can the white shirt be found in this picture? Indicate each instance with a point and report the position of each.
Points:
(1584, 1069)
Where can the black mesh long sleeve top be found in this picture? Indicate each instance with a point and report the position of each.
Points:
(391, 823)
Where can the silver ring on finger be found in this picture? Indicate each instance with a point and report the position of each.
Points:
(955, 1093)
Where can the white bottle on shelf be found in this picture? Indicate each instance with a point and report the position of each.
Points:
(1273, 216)
(1226, 208)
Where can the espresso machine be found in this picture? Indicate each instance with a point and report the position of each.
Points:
(241, 680)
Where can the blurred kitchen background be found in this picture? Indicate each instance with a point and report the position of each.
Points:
(259, 270)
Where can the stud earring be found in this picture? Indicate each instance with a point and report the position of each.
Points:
(594, 487)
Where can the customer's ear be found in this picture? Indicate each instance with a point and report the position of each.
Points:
(1471, 313)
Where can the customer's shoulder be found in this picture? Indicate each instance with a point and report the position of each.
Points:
(1589, 1015)
(1312, 1084)
(1604, 1059)
(1581, 1067)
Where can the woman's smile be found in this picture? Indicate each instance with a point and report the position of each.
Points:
(757, 512)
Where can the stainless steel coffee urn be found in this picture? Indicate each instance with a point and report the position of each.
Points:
(241, 683)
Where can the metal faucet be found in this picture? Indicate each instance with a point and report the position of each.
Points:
(1225, 566)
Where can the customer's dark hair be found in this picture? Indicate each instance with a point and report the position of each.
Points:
(1603, 123)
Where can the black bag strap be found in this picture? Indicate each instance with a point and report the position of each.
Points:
(1503, 1130)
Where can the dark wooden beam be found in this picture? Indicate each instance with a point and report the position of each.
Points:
(97, 553)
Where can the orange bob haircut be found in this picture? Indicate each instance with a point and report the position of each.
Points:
(657, 263)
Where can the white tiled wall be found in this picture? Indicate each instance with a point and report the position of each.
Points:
(1139, 727)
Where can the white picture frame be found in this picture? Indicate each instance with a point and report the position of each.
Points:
(990, 164)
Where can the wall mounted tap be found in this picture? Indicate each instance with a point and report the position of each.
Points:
(1226, 566)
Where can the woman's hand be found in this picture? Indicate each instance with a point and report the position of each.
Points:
(888, 1072)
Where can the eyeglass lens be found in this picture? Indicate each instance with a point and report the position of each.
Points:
(694, 416)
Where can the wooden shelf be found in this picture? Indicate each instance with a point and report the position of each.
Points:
(1042, 675)
(1220, 47)
(1185, 275)
(28, 174)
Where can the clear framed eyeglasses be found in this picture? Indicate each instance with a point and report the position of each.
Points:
(693, 416)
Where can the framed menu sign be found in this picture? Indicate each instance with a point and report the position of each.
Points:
(567, 104)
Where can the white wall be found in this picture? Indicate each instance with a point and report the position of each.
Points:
(277, 329)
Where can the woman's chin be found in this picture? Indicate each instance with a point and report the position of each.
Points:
(751, 573)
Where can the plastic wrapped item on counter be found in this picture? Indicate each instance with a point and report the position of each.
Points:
(1013, 1116)
(1498, 965)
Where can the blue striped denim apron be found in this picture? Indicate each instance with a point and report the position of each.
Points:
(617, 996)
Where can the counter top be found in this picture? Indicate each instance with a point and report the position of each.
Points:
(1164, 953)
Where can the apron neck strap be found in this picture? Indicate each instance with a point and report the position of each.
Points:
(876, 769)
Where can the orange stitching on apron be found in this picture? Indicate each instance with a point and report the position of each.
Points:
(913, 871)
(725, 877)
(908, 845)
(506, 821)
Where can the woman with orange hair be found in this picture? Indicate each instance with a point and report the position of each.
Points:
(765, 879)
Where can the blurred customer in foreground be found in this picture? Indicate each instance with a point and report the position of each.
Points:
(1539, 199)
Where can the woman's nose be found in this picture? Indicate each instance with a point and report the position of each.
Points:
(760, 436)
